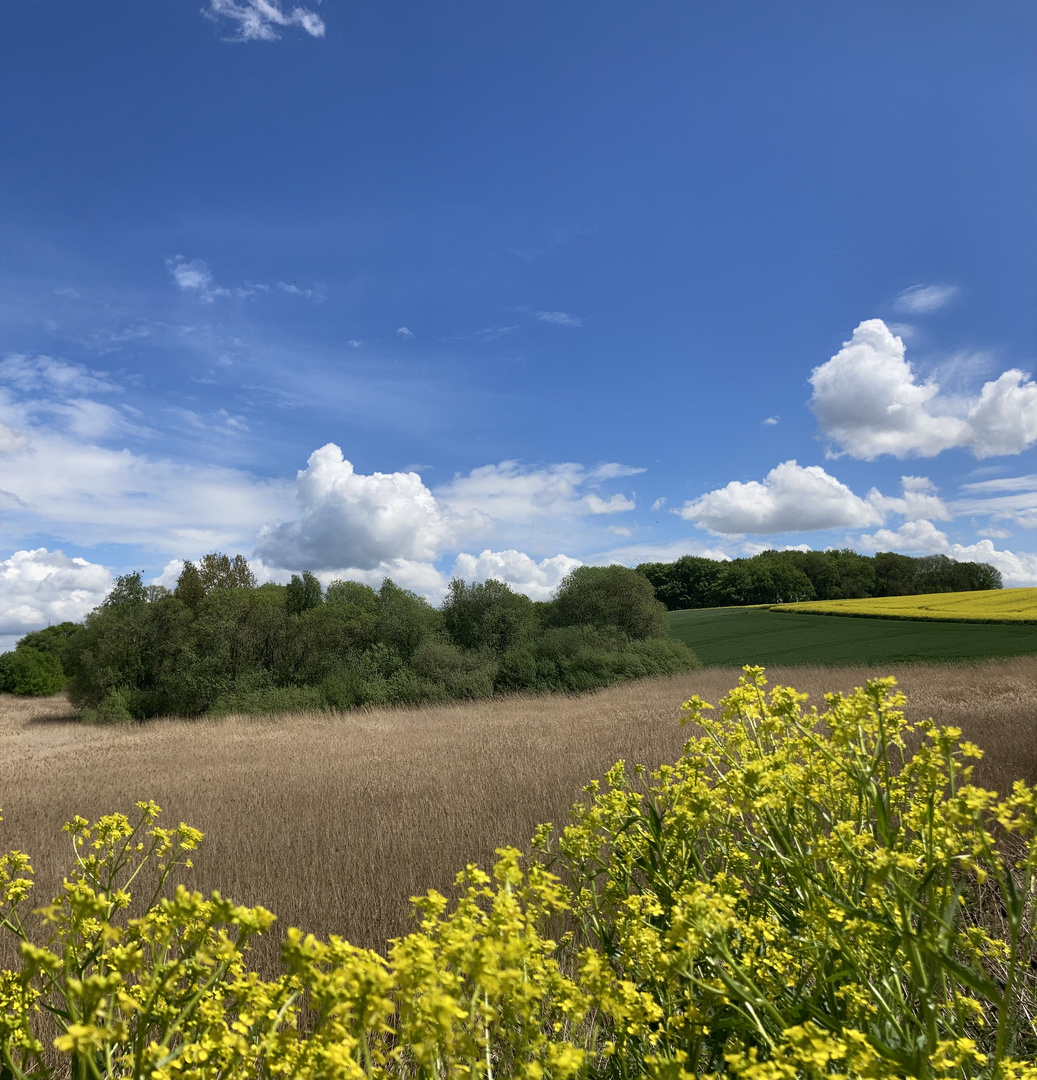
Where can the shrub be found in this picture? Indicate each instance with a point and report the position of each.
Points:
(116, 707)
(58, 639)
(460, 674)
(797, 896)
(30, 672)
(488, 616)
(613, 597)
(266, 700)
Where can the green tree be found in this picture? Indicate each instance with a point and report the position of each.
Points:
(128, 589)
(30, 672)
(979, 575)
(134, 660)
(686, 583)
(219, 571)
(303, 593)
(744, 581)
(853, 574)
(53, 639)
(610, 596)
(404, 619)
(189, 588)
(789, 583)
(894, 574)
(487, 616)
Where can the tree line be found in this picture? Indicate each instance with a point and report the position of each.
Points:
(786, 577)
(219, 643)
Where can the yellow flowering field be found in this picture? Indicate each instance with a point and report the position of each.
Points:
(987, 605)
(804, 893)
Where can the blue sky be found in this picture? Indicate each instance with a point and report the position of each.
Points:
(493, 289)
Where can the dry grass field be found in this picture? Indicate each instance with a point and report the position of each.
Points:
(333, 821)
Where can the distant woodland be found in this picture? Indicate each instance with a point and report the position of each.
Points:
(786, 577)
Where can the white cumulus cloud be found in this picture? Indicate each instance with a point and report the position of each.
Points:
(351, 520)
(615, 504)
(39, 587)
(868, 402)
(791, 498)
(258, 20)
(918, 500)
(538, 580)
(191, 275)
(1004, 418)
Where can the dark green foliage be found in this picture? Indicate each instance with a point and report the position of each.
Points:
(578, 658)
(189, 587)
(303, 593)
(128, 589)
(488, 616)
(30, 672)
(899, 575)
(731, 637)
(610, 596)
(57, 640)
(784, 577)
(762, 581)
(219, 571)
(684, 583)
(404, 619)
(219, 645)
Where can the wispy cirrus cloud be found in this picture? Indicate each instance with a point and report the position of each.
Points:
(259, 20)
(923, 299)
(557, 318)
(485, 335)
(194, 276)
(25, 372)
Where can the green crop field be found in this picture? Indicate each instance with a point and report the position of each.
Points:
(757, 635)
(990, 605)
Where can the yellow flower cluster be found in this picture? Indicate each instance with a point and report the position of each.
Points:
(796, 896)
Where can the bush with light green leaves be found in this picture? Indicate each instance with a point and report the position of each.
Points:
(797, 896)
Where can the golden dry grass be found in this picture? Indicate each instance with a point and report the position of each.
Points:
(333, 821)
(988, 605)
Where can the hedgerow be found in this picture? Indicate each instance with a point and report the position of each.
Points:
(801, 894)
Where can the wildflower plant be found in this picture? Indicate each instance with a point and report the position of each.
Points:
(802, 894)
(800, 876)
